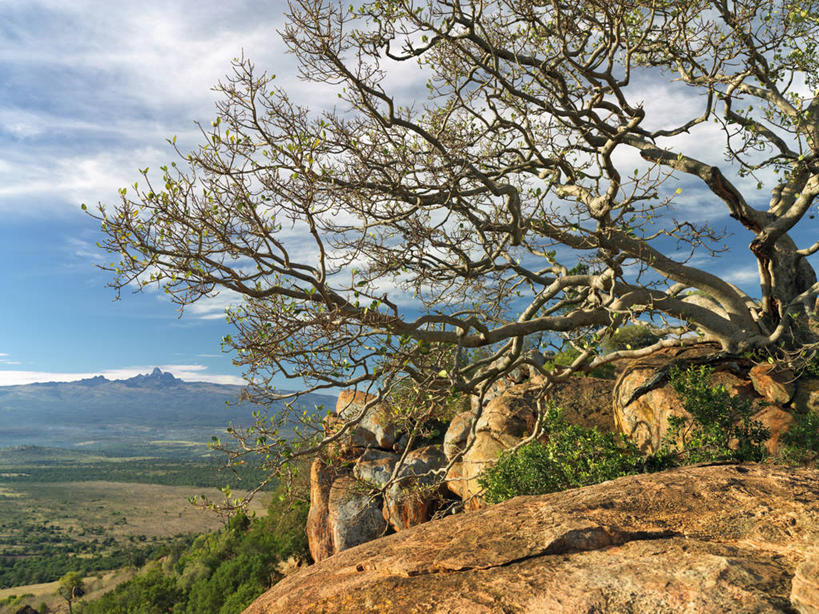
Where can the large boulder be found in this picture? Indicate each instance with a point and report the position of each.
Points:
(774, 385)
(373, 429)
(505, 420)
(708, 539)
(375, 467)
(354, 514)
(806, 398)
(510, 415)
(317, 528)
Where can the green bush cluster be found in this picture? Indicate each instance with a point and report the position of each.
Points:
(721, 427)
(220, 573)
(572, 456)
(800, 445)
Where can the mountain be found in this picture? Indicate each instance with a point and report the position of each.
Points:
(101, 414)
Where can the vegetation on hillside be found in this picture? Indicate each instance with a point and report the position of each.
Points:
(220, 573)
(56, 516)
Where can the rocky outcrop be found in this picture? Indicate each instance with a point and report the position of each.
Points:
(347, 506)
(354, 515)
(774, 385)
(643, 398)
(411, 499)
(374, 428)
(706, 539)
(505, 420)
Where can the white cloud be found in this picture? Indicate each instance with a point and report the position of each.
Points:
(741, 276)
(95, 88)
(186, 372)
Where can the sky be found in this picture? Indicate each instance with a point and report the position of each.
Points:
(89, 92)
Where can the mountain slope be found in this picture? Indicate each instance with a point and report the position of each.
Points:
(97, 412)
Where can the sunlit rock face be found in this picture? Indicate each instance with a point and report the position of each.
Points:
(708, 539)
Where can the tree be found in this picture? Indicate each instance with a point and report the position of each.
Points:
(71, 588)
(531, 195)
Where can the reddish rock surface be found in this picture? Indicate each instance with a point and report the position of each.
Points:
(775, 386)
(705, 539)
(319, 533)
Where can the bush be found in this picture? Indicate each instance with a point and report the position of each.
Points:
(629, 337)
(572, 457)
(720, 427)
(800, 445)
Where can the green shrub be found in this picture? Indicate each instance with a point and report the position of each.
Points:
(720, 427)
(629, 337)
(572, 457)
(800, 445)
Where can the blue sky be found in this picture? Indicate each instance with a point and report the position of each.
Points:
(89, 91)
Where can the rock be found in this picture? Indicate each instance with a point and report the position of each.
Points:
(26, 609)
(457, 433)
(586, 402)
(401, 443)
(806, 398)
(506, 420)
(705, 539)
(374, 429)
(775, 386)
(375, 467)
(317, 528)
(778, 421)
(455, 479)
(410, 501)
(509, 416)
(643, 398)
(455, 440)
(805, 586)
(354, 514)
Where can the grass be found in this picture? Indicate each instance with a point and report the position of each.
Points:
(96, 586)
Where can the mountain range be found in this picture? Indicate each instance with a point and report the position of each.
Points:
(149, 410)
